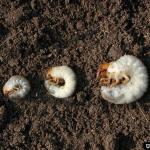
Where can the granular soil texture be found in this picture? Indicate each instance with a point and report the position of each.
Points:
(38, 34)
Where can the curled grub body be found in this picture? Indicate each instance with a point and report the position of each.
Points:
(127, 80)
(60, 81)
(16, 87)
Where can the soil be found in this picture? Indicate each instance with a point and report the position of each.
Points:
(38, 34)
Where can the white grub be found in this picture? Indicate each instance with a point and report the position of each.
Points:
(16, 87)
(60, 81)
(136, 80)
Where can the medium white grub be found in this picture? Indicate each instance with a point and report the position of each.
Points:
(16, 87)
(60, 81)
(126, 80)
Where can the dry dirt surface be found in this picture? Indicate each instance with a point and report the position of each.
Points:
(38, 34)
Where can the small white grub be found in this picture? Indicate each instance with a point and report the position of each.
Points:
(124, 80)
(60, 81)
(16, 87)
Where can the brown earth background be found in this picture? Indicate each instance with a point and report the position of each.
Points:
(82, 34)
